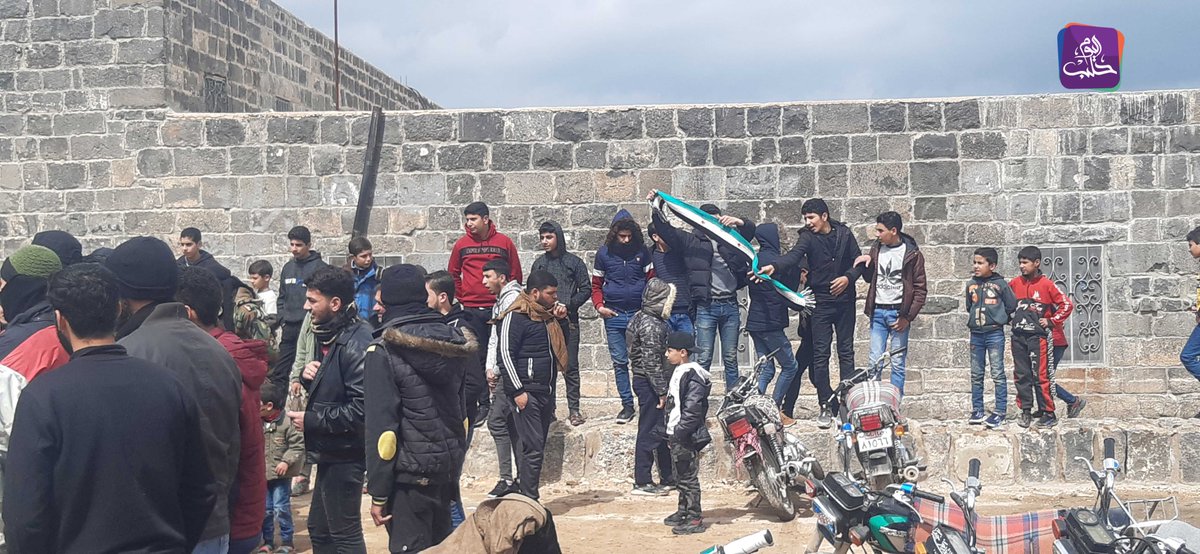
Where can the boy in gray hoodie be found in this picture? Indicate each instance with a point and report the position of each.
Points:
(990, 303)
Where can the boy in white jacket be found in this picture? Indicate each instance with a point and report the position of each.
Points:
(687, 409)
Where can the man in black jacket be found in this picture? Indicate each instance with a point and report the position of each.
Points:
(414, 382)
(147, 279)
(332, 420)
(293, 280)
(107, 452)
(575, 287)
(233, 291)
(533, 350)
(830, 250)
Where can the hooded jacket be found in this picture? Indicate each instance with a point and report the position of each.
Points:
(416, 432)
(282, 443)
(169, 339)
(30, 344)
(333, 416)
(912, 275)
(245, 518)
(234, 291)
(467, 259)
(1039, 298)
(823, 271)
(292, 288)
(990, 303)
(647, 334)
(620, 272)
(768, 310)
(365, 282)
(697, 250)
(475, 379)
(687, 406)
(574, 283)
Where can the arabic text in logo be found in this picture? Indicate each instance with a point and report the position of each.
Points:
(1090, 57)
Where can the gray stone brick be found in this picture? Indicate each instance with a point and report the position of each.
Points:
(462, 157)
(11, 9)
(984, 145)
(764, 121)
(863, 148)
(695, 122)
(1105, 208)
(793, 150)
(1146, 140)
(76, 7)
(728, 153)
(142, 50)
(1072, 142)
(1059, 208)
(764, 151)
(878, 180)
(1185, 139)
(935, 146)
(431, 189)
(95, 147)
(831, 180)
(219, 192)
(201, 161)
(117, 24)
(831, 149)
(510, 156)
(795, 120)
(887, 118)
(980, 176)
(930, 208)
(420, 127)
(480, 127)
(696, 152)
(246, 160)
(962, 115)
(552, 155)
(42, 55)
(39, 124)
(925, 116)
(55, 148)
(632, 154)
(895, 147)
(749, 183)
(66, 175)
(571, 126)
(840, 118)
(1137, 109)
(1024, 174)
(293, 130)
(797, 182)
(417, 157)
(617, 124)
(730, 122)
(334, 130)
(183, 132)
(1097, 172)
(929, 178)
(460, 189)
(327, 160)
(594, 155)
(527, 125)
(1110, 140)
(224, 132)
(577, 188)
(60, 29)
(660, 123)
(1172, 108)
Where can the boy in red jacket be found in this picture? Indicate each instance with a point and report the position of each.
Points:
(1041, 311)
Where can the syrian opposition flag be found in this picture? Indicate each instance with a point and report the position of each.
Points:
(710, 226)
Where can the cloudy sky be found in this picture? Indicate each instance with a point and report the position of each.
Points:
(523, 53)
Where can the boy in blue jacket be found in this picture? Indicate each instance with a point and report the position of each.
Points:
(990, 304)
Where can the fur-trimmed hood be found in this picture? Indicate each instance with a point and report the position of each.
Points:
(465, 345)
(658, 298)
(430, 346)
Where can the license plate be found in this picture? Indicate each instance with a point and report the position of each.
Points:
(875, 440)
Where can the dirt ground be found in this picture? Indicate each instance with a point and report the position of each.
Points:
(606, 518)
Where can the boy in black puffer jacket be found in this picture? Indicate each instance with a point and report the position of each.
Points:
(687, 408)
(647, 339)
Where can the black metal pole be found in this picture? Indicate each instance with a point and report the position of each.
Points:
(366, 191)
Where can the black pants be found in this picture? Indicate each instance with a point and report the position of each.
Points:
(420, 516)
(281, 372)
(334, 522)
(529, 428)
(687, 479)
(651, 436)
(479, 325)
(1032, 369)
(497, 424)
(804, 359)
(572, 374)
(829, 318)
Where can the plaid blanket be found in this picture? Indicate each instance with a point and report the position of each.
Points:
(1029, 532)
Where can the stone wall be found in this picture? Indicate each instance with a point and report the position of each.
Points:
(1116, 170)
(96, 55)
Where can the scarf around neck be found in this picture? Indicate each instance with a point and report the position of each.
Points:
(327, 332)
(525, 304)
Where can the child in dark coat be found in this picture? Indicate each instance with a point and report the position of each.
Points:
(687, 409)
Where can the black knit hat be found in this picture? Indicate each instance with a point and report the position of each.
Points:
(145, 269)
(62, 243)
(403, 284)
(681, 341)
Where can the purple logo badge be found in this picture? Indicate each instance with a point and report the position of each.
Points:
(1090, 57)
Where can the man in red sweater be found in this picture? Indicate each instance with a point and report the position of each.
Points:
(1041, 311)
(200, 291)
(480, 244)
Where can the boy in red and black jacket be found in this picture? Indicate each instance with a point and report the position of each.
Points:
(1041, 311)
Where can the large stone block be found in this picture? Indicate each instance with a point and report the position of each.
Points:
(695, 122)
(460, 157)
(878, 179)
(931, 146)
(929, 178)
(729, 153)
(617, 124)
(511, 156)
(632, 154)
(428, 127)
(571, 126)
(830, 149)
(840, 118)
(481, 127)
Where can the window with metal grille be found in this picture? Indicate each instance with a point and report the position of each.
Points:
(216, 94)
(283, 104)
(1078, 273)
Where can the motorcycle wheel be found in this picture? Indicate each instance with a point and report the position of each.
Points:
(766, 476)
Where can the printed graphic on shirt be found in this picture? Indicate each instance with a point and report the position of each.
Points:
(485, 250)
(889, 286)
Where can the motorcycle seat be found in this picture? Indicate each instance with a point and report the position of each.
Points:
(1030, 532)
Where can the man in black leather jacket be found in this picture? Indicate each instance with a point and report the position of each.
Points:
(333, 421)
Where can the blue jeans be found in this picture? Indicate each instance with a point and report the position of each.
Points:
(614, 328)
(764, 343)
(681, 323)
(215, 545)
(988, 348)
(724, 317)
(1190, 356)
(1059, 391)
(881, 331)
(279, 505)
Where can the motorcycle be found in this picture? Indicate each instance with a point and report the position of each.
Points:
(777, 461)
(1110, 526)
(946, 539)
(871, 429)
(849, 514)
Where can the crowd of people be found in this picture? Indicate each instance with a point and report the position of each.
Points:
(166, 404)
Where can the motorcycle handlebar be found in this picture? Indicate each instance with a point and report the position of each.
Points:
(929, 496)
(973, 468)
(1110, 448)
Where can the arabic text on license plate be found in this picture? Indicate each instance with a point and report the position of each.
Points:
(877, 440)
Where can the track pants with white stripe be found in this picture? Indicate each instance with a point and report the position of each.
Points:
(1032, 372)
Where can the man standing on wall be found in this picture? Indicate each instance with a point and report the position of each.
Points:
(830, 250)
(290, 304)
(895, 271)
(575, 288)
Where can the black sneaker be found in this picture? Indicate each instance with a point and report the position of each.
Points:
(1024, 420)
(481, 414)
(625, 416)
(675, 519)
(502, 488)
(1075, 407)
(977, 417)
(668, 486)
(648, 490)
(825, 418)
(576, 419)
(689, 527)
(1047, 421)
